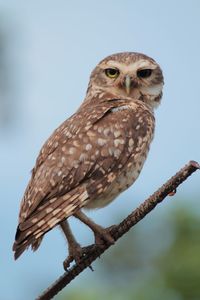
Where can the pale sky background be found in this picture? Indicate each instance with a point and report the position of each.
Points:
(51, 49)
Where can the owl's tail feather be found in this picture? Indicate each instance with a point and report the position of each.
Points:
(20, 248)
(31, 231)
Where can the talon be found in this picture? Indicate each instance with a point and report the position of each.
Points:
(67, 261)
(76, 253)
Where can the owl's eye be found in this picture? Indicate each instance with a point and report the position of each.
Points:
(112, 73)
(145, 73)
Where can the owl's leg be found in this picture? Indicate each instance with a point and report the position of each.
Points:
(75, 250)
(101, 234)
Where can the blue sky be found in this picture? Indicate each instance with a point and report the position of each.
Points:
(54, 45)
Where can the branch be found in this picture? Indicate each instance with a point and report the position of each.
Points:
(117, 231)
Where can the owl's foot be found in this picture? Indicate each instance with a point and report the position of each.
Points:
(103, 235)
(76, 253)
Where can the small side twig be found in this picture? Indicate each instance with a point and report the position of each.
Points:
(117, 231)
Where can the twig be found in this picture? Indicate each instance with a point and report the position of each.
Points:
(117, 231)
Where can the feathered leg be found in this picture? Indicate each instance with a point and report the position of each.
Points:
(74, 248)
(101, 234)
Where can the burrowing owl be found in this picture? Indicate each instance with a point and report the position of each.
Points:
(95, 154)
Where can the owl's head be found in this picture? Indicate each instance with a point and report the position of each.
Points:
(129, 75)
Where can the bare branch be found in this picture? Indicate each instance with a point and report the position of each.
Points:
(117, 231)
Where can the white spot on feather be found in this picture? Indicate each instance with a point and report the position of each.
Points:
(72, 150)
(119, 108)
(88, 147)
(101, 142)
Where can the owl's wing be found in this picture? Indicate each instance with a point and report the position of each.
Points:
(59, 166)
(74, 166)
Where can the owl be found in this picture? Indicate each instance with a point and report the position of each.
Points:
(95, 154)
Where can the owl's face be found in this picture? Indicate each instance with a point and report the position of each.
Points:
(131, 75)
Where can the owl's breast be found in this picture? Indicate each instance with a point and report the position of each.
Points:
(136, 131)
(123, 180)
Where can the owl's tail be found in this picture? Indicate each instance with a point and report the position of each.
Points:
(19, 248)
(31, 231)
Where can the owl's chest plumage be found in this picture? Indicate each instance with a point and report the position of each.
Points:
(128, 145)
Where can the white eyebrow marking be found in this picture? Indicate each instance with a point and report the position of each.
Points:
(140, 64)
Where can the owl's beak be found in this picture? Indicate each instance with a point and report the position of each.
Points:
(127, 84)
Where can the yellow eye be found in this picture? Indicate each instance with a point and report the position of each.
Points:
(112, 73)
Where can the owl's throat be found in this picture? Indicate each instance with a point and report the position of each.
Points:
(150, 96)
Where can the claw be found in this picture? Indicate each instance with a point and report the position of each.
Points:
(76, 253)
(67, 261)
